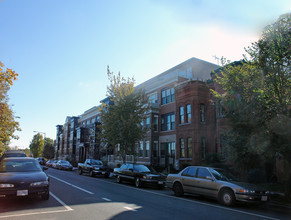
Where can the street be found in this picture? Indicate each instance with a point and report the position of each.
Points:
(83, 197)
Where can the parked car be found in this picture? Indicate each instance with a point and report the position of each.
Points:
(49, 163)
(64, 165)
(215, 183)
(93, 167)
(41, 160)
(140, 175)
(13, 153)
(23, 176)
(54, 164)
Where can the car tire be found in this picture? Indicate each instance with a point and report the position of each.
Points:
(80, 171)
(91, 173)
(118, 179)
(226, 197)
(178, 189)
(137, 182)
(45, 196)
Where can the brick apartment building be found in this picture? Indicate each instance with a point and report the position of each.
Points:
(185, 123)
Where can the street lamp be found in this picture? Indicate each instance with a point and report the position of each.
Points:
(40, 133)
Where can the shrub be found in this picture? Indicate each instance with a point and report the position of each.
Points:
(256, 176)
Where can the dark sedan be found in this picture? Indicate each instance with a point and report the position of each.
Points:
(22, 177)
(64, 165)
(140, 175)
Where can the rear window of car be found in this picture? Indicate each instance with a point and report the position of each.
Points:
(15, 155)
(19, 166)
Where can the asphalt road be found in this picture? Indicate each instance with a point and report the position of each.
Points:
(83, 197)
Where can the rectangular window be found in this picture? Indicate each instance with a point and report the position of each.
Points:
(148, 122)
(141, 149)
(156, 122)
(203, 148)
(202, 112)
(182, 148)
(168, 122)
(182, 115)
(93, 120)
(171, 149)
(153, 98)
(147, 150)
(189, 148)
(188, 112)
(168, 96)
(98, 118)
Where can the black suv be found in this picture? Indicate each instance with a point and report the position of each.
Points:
(140, 175)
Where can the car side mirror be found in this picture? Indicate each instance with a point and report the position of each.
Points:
(44, 168)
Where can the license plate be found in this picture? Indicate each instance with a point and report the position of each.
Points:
(264, 198)
(160, 182)
(22, 192)
(103, 172)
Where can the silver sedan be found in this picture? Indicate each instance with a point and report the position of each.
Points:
(215, 183)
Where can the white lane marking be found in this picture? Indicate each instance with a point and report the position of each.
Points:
(68, 209)
(108, 200)
(130, 209)
(60, 201)
(71, 185)
(201, 203)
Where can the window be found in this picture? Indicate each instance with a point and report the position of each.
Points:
(98, 118)
(153, 98)
(203, 148)
(168, 96)
(188, 113)
(156, 122)
(202, 112)
(189, 147)
(190, 171)
(148, 122)
(93, 120)
(203, 173)
(147, 149)
(168, 122)
(141, 149)
(182, 115)
(182, 148)
(88, 122)
(172, 149)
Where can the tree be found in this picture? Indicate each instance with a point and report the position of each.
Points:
(121, 122)
(257, 99)
(48, 150)
(36, 146)
(8, 125)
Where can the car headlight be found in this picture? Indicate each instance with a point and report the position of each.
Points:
(6, 185)
(42, 183)
(147, 177)
(247, 191)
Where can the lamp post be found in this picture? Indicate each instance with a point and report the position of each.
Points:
(40, 133)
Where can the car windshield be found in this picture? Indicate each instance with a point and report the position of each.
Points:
(96, 162)
(224, 175)
(19, 166)
(15, 155)
(142, 169)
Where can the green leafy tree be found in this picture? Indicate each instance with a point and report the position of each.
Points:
(36, 146)
(27, 152)
(48, 150)
(8, 124)
(121, 122)
(256, 99)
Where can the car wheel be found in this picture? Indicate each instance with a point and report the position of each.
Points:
(45, 196)
(137, 182)
(91, 173)
(178, 189)
(226, 197)
(80, 171)
(118, 179)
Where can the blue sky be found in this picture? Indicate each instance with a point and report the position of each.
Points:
(61, 48)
